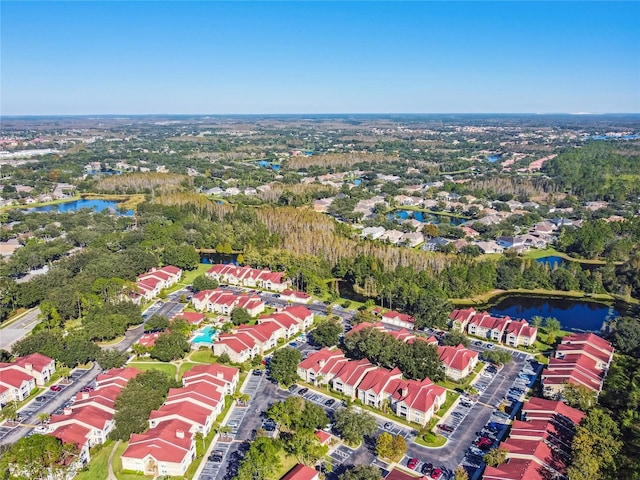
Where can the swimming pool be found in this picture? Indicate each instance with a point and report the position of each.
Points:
(204, 335)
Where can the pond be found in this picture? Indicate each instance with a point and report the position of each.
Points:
(574, 315)
(96, 205)
(214, 258)
(552, 260)
(424, 217)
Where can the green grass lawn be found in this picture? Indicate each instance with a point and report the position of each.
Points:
(167, 368)
(287, 462)
(451, 397)
(433, 440)
(98, 465)
(203, 356)
(189, 275)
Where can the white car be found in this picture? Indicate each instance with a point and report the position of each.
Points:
(41, 429)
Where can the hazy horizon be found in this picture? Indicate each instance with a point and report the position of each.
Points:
(271, 58)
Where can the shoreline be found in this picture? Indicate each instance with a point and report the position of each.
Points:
(493, 297)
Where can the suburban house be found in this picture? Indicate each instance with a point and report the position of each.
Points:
(581, 359)
(489, 246)
(167, 450)
(230, 376)
(200, 394)
(266, 335)
(458, 361)
(36, 365)
(520, 333)
(248, 277)
(103, 398)
(398, 319)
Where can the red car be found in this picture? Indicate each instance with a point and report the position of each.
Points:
(436, 472)
(55, 388)
(484, 442)
(412, 463)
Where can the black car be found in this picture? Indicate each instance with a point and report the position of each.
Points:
(292, 388)
(41, 398)
(426, 468)
(257, 373)
(216, 457)
(329, 402)
(302, 391)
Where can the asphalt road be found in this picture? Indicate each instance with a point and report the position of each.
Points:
(53, 402)
(18, 329)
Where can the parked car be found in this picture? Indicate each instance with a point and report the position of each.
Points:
(216, 456)
(293, 388)
(484, 442)
(329, 402)
(41, 398)
(302, 391)
(445, 427)
(427, 468)
(412, 463)
(55, 388)
(257, 373)
(388, 426)
(436, 473)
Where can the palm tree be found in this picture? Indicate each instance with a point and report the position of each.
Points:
(43, 417)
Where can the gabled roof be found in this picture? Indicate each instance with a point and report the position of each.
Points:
(351, 372)
(188, 412)
(590, 338)
(463, 315)
(398, 316)
(280, 319)
(72, 433)
(378, 379)
(262, 332)
(298, 312)
(457, 358)
(168, 442)
(117, 375)
(38, 361)
(238, 342)
(316, 361)
(517, 469)
(419, 396)
(15, 378)
(301, 472)
(215, 370)
(200, 393)
(191, 317)
(520, 328)
(543, 408)
(88, 416)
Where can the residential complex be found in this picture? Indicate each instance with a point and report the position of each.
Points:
(514, 333)
(20, 377)
(248, 277)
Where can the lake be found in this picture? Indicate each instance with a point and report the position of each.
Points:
(96, 205)
(574, 315)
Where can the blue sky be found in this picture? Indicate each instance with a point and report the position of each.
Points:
(319, 57)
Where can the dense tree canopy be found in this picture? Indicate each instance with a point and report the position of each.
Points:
(284, 365)
(327, 334)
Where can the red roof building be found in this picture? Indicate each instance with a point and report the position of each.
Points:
(458, 361)
(301, 472)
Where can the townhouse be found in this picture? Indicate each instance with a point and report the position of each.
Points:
(150, 284)
(20, 377)
(295, 296)
(514, 333)
(416, 401)
(219, 375)
(519, 333)
(302, 472)
(251, 340)
(167, 450)
(248, 277)
(223, 302)
(458, 362)
(168, 447)
(89, 419)
(539, 445)
(398, 319)
(580, 359)
(36, 365)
